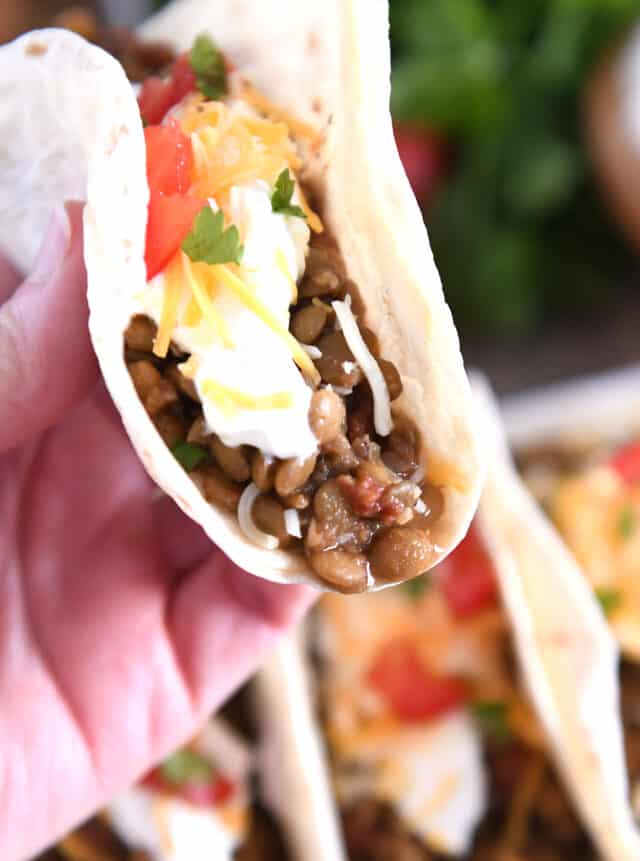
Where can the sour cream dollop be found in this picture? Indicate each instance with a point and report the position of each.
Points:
(255, 361)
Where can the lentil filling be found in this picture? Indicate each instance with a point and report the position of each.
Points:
(359, 504)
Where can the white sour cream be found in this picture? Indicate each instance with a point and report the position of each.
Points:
(258, 363)
(173, 830)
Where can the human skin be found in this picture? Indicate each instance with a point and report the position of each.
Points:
(121, 626)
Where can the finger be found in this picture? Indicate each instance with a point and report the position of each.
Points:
(183, 542)
(9, 279)
(224, 622)
(46, 360)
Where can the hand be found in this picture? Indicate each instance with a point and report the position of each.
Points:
(121, 626)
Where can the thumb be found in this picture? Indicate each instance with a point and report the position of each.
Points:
(46, 360)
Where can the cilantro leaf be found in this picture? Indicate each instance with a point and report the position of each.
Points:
(281, 197)
(492, 715)
(415, 587)
(610, 599)
(626, 522)
(189, 455)
(208, 64)
(209, 242)
(186, 766)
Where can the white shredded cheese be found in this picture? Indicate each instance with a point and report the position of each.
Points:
(347, 367)
(312, 351)
(420, 507)
(245, 504)
(382, 420)
(292, 522)
(342, 391)
(417, 477)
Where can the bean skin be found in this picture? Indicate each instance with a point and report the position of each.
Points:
(292, 474)
(400, 553)
(347, 572)
(263, 470)
(307, 323)
(216, 487)
(327, 415)
(232, 460)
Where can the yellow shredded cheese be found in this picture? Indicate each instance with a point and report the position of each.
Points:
(169, 316)
(250, 300)
(313, 220)
(297, 127)
(281, 263)
(189, 368)
(230, 400)
(196, 276)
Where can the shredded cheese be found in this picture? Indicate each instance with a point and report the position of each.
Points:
(382, 420)
(292, 522)
(196, 276)
(281, 263)
(229, 400)
(248, 298)
(262, 103)
(169, 316)
(245, 519)
(189, 368)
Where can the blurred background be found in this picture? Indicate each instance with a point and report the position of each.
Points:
(491, 102)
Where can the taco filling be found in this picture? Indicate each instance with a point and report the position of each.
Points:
(435, 749)
(592, 494)
(246, 346)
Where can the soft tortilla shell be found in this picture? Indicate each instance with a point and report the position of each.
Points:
(327, 63)
(565, 647)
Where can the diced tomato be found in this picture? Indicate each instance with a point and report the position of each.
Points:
(158, 95)
(411, 691)
(183, 78)
(212, 794)
(425, 159)
(626, 462)
(170, 219)
(169, 159)
(466, 578)
(155, 99)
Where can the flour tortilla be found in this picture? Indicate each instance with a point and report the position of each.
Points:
(71, 129)
(565, 647)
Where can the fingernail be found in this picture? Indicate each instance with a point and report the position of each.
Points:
(54, 246)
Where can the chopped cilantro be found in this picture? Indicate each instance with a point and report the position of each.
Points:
(208, 64)
(610, 599)
(281, 197)
(209, 242)
(492, 715)
(189, 455)
(186, 766)
(416, 586)
(626, 522)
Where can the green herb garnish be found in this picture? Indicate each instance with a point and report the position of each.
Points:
(208, 64)
(492, 715)
(281, 197)
(186, 766)
(209, 242)
(416, 587)
(626, 522)
(189, 455)
(610, 599)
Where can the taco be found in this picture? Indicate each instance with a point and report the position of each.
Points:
(199, 803)
(442, 707)
(263, 301)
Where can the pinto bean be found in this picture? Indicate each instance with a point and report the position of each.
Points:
(140, 334)
(232, 461)
(400, 553)
(171, 427)
(334, 524)
(327, 415)
(263, 471)
(299, 501)
(346, 571)
(307, 323)
(339, 454)
(184, 385)
(216, 487)
(335, 353)
(144, 376)
(268, 515)
(198, 432)
(400, 453)
(391, 378)
(160, 396)
(434, 500)
(292, 473)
